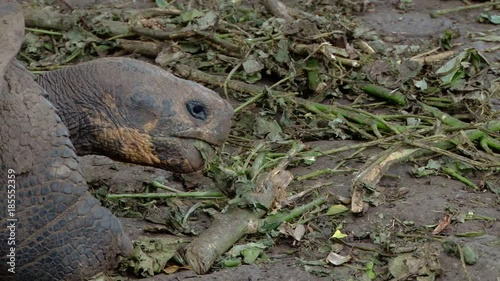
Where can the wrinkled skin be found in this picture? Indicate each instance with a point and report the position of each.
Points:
(135, 112)
(126, 109)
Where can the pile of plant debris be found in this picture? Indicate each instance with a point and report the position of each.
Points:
(312, 72)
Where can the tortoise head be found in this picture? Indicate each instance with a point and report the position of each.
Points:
(135, 112)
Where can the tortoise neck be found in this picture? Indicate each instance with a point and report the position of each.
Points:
(83, 108)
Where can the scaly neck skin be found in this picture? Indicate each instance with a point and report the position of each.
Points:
(94, 121)
(82, 108)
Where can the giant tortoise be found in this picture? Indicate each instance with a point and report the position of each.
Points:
(128, 110)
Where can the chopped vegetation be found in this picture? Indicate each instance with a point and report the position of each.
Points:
(298, 75)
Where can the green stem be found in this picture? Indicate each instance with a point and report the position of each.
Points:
(459, 177)
(381, 92)
(43, 31)
(273, 221)
(199, 195)
(164, 187)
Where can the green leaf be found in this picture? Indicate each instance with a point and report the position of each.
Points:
(369, 270)
(161, 3)
(495, 19)
(282, 54)
(231, 262)
(190, 15)
(339, 235)
(251, 254)
(336, 209)
(421, 84)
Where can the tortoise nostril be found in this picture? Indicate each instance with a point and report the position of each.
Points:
(197, 110)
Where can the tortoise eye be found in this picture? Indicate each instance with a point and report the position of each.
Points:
(197, 109)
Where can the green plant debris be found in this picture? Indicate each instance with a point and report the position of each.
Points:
(150, 255)
(336, 209)
(460, 251)
(310, 73)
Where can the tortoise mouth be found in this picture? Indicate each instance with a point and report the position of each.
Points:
(215, 138)
(182, 155)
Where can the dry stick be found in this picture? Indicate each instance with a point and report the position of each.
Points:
(245, 104)
(371, 176)
(451, 155)
(371, 173)
(218, 81)
(235, 50)
(429, 59)
(291, 199)
(146, 48)
(254, 89)
(326, 171)
(233, 71)
(437, 13)
(62, 22)
(198, 194)
(277, 8)
(230, 226)
(49, 20)
(163, 34)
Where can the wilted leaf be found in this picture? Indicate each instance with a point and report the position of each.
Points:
(470, 256)
(413, 121)
(150, 255)
(442, 224)
(282, 52)
(252, 66)
(251, 254)
(208, 20)
(421, 84)
(493, 186)
(447, 38)
(431, 168)
(452, 248)
(189, 15)
(252, 78)
(423, 263)
(299, 232)
(466, 62)
(236, 250)
(338, 234)
(32, 43)
(495, 19)
(337, 259)
(269, 128)
(174, 268)
(336, 209)
(408, 69)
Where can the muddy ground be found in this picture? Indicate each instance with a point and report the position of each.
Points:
(406, 203)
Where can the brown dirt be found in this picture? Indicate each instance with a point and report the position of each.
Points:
(421, 201)
(404, 198)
